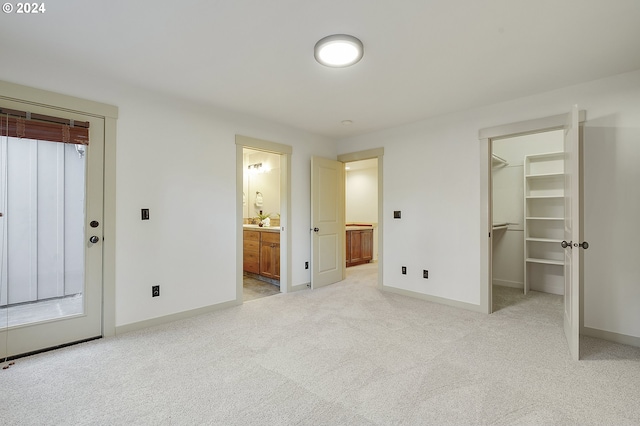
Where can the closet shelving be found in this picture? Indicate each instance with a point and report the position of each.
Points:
(544, 215)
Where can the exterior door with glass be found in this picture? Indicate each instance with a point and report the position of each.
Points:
(51, 200)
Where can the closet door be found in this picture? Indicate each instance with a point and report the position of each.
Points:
(572, 238)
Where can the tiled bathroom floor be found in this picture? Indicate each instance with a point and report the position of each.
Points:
(255, 289)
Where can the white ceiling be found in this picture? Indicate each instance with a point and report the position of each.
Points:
(422, 57)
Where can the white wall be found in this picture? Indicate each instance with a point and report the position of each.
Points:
(173, 157)
(362, 196)
(432, 170)
(188, 245)
(267, 183)
(177, 158)
(508, 205)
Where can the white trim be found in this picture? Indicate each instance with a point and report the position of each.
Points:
(507, 283)
(536, 125)
(299, 287)
(434, 299)
(30, 95)
(611, 336)
(174, 317)
(262, 145)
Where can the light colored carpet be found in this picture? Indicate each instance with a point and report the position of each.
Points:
(346, 354)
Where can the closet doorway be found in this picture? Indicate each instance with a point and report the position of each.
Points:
(528, 218)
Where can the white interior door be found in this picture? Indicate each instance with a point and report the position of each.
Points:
(572, 234)
(327, 222)
(51, 273)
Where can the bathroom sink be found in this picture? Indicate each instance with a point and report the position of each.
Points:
(258, 227)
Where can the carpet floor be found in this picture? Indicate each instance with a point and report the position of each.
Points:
(346, 354)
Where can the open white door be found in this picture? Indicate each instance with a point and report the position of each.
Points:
(327, 222)
(571, 241)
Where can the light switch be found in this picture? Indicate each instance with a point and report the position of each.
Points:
(145, 214)
(396, 214)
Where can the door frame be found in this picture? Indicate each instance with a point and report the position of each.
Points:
(368, 154)
(485, 136)
(285, 152)
(109, 113)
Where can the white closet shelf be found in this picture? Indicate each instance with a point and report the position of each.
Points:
(545, 261)
(543, 199)
(544, 240)
(545, 175)
(544, 218)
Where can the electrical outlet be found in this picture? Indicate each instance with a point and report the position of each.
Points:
(306, 265)
(404, 270)
(155, 291)
(425, 274)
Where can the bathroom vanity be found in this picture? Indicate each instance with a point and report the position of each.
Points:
(261, 252)
(359, 243)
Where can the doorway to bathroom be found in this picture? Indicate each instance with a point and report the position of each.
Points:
(260, 224)
(263, 238)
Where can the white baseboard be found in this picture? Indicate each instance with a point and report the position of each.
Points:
(550, 288)
(507, 283)
(299, 287)
(434, 299)
(611, 336)
(174, 317)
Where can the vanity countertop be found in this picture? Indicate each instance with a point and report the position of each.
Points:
(358, 226)
(261, 228)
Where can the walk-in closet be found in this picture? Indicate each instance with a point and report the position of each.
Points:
(528, 212)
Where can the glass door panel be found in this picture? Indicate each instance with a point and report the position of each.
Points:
(43, 264)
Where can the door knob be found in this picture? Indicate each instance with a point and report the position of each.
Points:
(584, 245)
(316, 229)
(565, 244)
(94, 239)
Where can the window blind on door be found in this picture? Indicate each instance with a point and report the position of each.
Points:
(21, 124)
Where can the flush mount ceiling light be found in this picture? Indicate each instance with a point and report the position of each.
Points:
(338, 50)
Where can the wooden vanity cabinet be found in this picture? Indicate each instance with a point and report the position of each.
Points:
(251, 251)
(270, 255)
(359, 246)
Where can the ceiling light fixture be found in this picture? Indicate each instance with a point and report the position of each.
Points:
(338, 50)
